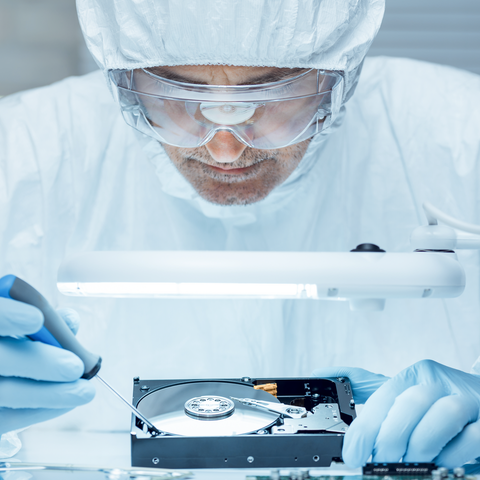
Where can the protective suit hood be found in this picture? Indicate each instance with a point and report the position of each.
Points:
(323, 34)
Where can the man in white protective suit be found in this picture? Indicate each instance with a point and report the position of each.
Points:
(323, 172)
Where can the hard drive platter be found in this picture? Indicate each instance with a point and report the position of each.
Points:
(167, 409)
(235, 423)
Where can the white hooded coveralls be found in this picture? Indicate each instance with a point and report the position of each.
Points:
(74, 177)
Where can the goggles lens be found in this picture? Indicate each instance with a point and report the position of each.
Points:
(266, 116)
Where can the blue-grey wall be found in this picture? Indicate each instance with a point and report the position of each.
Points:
(440, 31)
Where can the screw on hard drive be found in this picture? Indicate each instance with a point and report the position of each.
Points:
(144, 388)
(246, 379)
(295, 475)
(155, 460)
(250, 459)
(275, 475)
(136, 379)
(316, 458)
(443, 472)
(352, 403)
(294, 410)
(341, 379)
(459, 472)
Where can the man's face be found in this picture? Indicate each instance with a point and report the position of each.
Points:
(225, 171)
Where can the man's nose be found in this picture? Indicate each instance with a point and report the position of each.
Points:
(225, 148)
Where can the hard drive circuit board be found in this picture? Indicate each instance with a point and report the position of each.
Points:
(351, 477)
(375, 471)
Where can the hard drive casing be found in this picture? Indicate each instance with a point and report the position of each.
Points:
(254, 450)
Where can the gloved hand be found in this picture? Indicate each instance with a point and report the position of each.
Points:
(37, 381)
(428, 412)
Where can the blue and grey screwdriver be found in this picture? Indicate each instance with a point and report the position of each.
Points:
(56, 332)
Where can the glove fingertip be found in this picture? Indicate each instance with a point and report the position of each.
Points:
(29, 319)
(36, 320)
(71, 318)
(351, 458)
(352, 462)
(71, 368)
(356, 448)
(86, 391)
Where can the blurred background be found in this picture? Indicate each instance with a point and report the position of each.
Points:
(41, 42)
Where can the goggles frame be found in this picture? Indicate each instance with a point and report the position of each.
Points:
(324, 87)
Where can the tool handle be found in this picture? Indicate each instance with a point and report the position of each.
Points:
(54, 330)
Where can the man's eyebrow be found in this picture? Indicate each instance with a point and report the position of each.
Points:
(274, 76)
(169, 75)
(269, 77)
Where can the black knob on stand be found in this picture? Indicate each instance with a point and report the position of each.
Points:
(367, 247)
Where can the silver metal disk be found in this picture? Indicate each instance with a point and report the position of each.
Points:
(209, 407)
(166, 409)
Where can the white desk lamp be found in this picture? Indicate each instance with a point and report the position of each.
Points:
(366, 276)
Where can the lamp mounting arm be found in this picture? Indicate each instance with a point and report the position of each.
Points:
(453, 234)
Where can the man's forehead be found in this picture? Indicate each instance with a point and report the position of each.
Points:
(224, 74)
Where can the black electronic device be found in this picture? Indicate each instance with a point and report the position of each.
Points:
(241, 423)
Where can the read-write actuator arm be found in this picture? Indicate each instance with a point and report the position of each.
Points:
(287, 411)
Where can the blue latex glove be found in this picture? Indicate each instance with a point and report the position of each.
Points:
(428, 412)
(37, 381)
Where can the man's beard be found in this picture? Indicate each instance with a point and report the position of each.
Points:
(267, 170)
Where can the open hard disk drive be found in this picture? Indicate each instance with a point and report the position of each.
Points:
(239, 423)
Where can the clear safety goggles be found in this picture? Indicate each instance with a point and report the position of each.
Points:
(266, 116)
